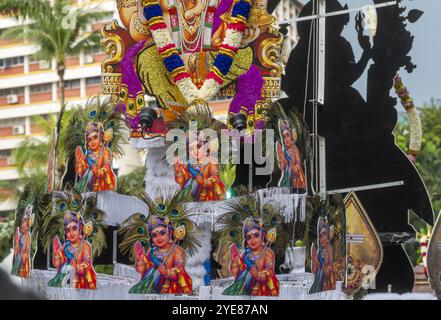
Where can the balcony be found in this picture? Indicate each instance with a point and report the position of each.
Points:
(33, 78)
(8, 173)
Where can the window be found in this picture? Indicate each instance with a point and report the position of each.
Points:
(39, 88)
(6, 92)
(93, 81)
(72, 84)
(5, 153)
(11, 62)
(97, 50)
(7, 123)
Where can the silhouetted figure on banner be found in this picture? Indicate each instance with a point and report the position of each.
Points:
(360, 146)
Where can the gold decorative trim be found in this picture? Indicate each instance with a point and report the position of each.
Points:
(269, 55)
(271, 87)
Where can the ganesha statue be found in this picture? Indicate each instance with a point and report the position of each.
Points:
(180, 51)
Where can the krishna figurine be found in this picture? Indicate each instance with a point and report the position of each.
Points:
(253, 268)
(74, 227)
(22, 245)
(159, 245)
(73, 259)
(95, 133)
(249, 230)
(94, 166)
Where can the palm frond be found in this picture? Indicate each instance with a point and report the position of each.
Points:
(131, 183)
(31, 153)
(25, 8)
(48, 27)
(16, 33)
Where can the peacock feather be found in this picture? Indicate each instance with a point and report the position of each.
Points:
(53, 225)
(333, 209)
(239, 208)
(97, 109)
(174, 208)
(32, 194)
(296, 121)
(132, 230)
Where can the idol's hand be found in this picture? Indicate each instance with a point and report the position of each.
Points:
(250, 34)
(162, 269)
(101, 172)
(178, 166)
(234, 253)
(81, 269)
(139, 251)
(56, 245)
(254, 272)
(78, 154)
(200, 180)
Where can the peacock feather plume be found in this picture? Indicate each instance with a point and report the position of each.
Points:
(97, 109)
(230, 224)
(32, 195)
(333, 210)
(173, 207)
(86, 206)
(296, 121)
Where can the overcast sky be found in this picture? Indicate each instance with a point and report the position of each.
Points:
(425, 81)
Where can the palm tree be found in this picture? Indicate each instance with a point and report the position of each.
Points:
(56, 27)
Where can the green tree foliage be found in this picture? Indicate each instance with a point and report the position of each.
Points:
(6, 235)
(132, 183)
(428, 164)
(429, 160)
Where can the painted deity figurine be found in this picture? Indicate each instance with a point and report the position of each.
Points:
(322, 260)
(22, 246)
(253, 269)
(94, 166)
(241, 63)
(289, 158)
(73, 259)
(200, 175)
(163, 266)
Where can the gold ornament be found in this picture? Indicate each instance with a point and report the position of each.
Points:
(31, 219)
(88, 228)
(271, 235)
(108, 135)
(179, 233)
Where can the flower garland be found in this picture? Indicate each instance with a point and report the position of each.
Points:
(173, 62)
(416, 131)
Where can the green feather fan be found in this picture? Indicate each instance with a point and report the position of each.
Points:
(174, 207)
(97, 109)
(33, 194)
(238, 209)
(333, 208)
(276, 113)
(53, 225)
